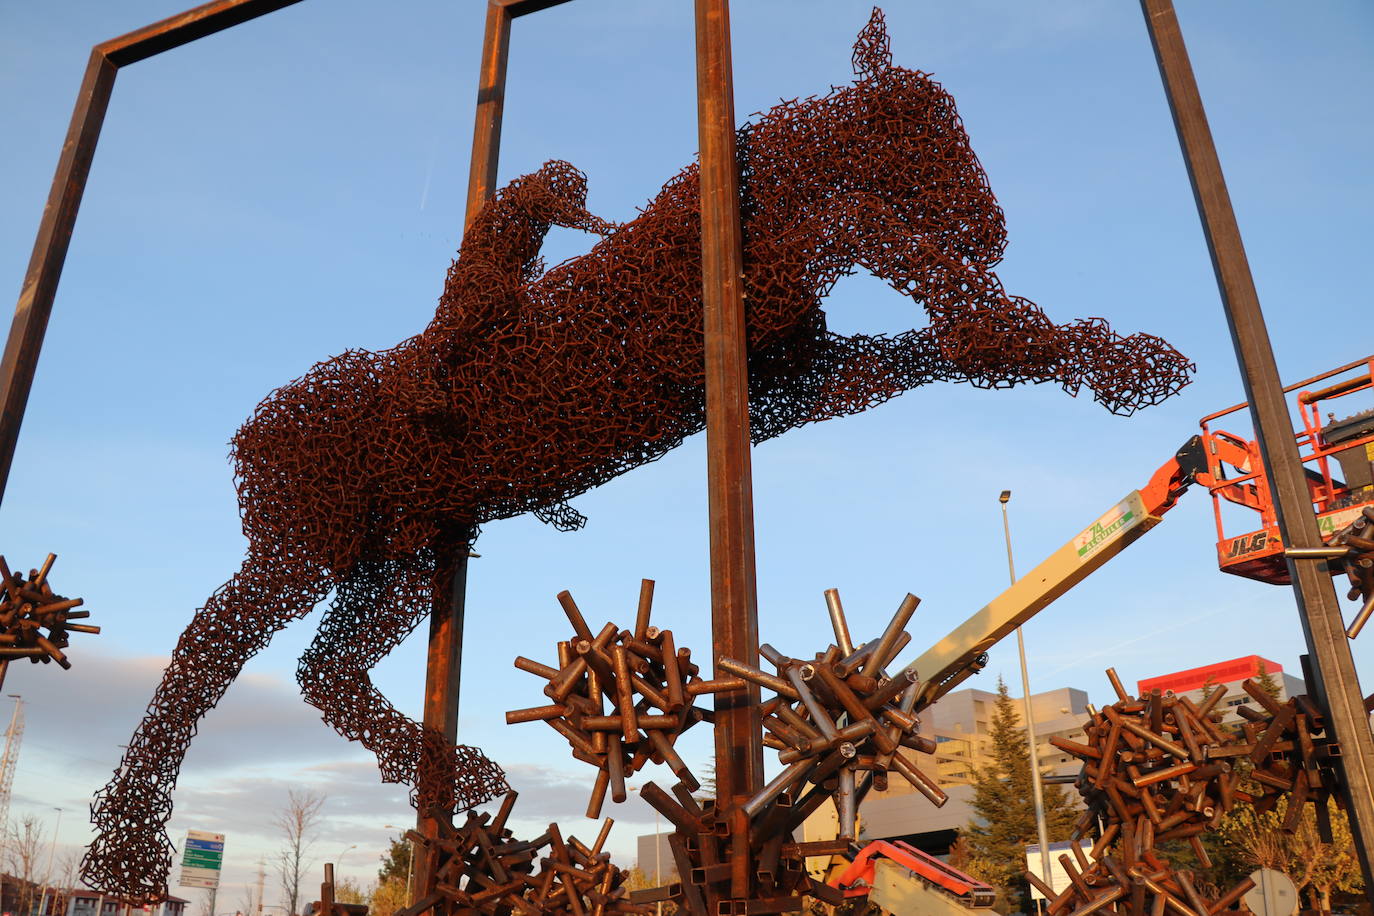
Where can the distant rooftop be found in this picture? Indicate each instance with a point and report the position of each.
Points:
(1237, 669)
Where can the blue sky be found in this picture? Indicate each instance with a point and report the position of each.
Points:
(270, 196)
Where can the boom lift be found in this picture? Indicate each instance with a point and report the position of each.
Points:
(903, 880)
(1238, 477)
(1229, 467)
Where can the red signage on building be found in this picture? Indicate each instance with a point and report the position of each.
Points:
(1237, 669)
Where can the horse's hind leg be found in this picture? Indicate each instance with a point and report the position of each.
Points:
(376, 606)
(131, 856)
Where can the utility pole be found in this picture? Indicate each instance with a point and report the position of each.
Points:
(13, 736)
(262, 876)
(47, 872)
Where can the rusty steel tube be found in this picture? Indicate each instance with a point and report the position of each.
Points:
(887, 643)
(919, 780)
(1361, 618)
(579, 624)
(777, 786)
(756, 676)
(895, 686)
(838, 622)
(716, 685)
(819, 717)
(646, 602)
(855, 660)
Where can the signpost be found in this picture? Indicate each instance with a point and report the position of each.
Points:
(1059, 878)
(202, 859)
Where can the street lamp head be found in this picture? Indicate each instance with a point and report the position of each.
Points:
(1006, 495)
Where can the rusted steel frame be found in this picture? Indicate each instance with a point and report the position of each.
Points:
(1336, 686)
(734, 601)
(36, 297)
(49, 251)
(491, 97)
(443, 677)
(444, 663)
(184, 28)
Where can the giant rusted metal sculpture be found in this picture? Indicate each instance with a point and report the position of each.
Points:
(532, 386)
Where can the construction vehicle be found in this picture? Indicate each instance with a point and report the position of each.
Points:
(902, 880)
(1237, 477)
(1229, 467)
(899, 878)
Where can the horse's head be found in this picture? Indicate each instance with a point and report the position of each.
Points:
(879, 175)
(882, 166)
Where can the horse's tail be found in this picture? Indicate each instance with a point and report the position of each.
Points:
(131, 855)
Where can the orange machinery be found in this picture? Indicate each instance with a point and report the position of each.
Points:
(889, 873)
(1337, 455)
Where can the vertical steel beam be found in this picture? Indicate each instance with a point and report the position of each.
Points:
(443, 666)
(31, 314)
(734, 599)
(491, 102)
(443, 676)
(1337, 687)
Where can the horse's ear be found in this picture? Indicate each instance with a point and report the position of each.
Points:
(873, 50)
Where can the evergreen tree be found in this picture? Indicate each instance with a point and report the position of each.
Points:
(1209, 687)
(396, 861)
(1266, 681)
(1004, 803)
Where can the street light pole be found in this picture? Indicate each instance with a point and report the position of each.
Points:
(1037, 790)
(338, 861)
(47, 874)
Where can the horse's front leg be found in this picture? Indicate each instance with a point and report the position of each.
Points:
(131, 856)
(996, 340)
(376, 606)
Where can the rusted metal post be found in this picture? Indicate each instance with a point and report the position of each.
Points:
(1336, 685)
(491, 100)
(49, 252)
(34, 307)
(443, 675)
(734, 600)
(327, 891)
(443, 666)
(444, 663)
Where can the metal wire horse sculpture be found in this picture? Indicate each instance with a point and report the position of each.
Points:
(532, 386)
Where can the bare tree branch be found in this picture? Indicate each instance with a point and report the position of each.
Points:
(23, 853)
(299, 822)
